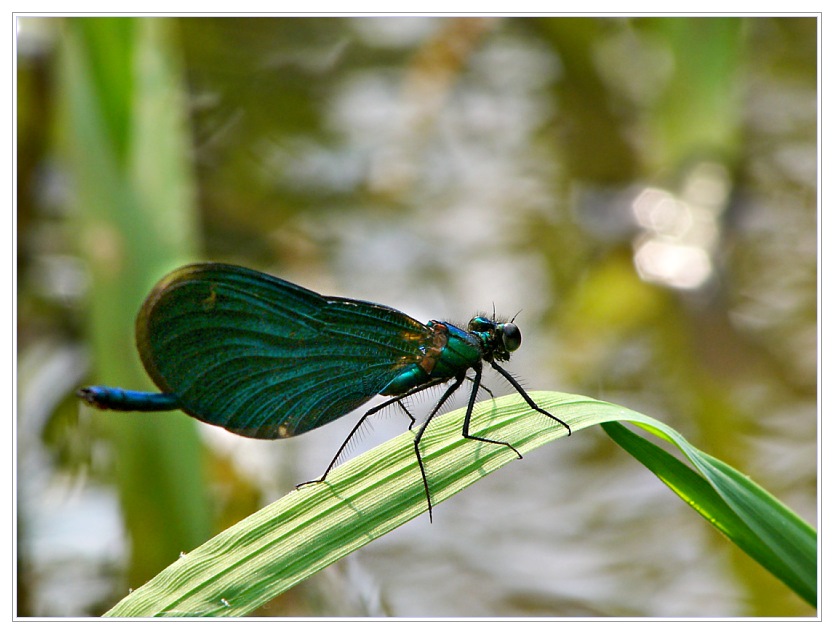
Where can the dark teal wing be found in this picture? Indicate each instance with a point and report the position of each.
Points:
(265, 358)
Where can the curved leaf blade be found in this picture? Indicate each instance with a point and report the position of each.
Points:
(267, 553)
(752, 519)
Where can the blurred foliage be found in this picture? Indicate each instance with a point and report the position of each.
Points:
(461, 160)
(125, 138)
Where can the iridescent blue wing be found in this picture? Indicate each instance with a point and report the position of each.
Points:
(265, 358)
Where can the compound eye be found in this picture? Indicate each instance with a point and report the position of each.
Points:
(511, 337)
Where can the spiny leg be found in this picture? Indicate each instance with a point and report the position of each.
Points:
(365, 416)
(471, 405)
(468, 378)
(419, 435)
(483, 387)
(526, 396)
(414, 391)
(407, 413)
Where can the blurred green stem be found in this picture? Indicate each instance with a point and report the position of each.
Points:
(125, 142)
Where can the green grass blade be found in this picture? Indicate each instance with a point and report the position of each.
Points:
(791, 542)
(126, 146)
(310, 528)
(307, 530)
(754, 520)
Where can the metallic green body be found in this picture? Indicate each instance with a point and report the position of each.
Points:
(264, 358)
